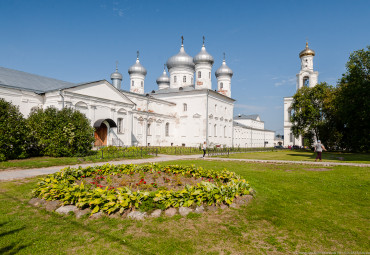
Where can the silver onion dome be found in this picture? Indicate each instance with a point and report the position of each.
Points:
(181, 59)
(224, 70)
(163, 79)
(116, 75)
(203, 56)
(137, 67)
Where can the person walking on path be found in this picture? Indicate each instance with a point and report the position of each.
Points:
(318, 148)
(204, 147)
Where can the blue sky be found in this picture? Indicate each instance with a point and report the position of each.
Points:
(80, 41)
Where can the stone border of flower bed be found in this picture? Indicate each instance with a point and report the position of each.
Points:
(223, 188)
(57, 206)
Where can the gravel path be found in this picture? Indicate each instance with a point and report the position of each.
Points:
(25, 173)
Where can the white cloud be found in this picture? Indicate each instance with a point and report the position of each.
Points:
(281, 82)
(118, 11)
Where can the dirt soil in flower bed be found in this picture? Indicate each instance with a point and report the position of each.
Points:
(137, 181)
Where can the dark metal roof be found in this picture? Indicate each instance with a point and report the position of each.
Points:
(32, 82)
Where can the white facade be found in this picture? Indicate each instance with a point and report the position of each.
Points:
(306, 77)
(182, 112)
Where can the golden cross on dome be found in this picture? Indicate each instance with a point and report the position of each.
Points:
(182, 40)
(137, 54)
(203, 39)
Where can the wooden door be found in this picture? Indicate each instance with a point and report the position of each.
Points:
(101, 135)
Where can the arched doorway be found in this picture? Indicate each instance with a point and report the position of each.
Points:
(101, 131)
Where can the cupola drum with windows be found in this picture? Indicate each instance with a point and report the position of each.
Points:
(137, 76)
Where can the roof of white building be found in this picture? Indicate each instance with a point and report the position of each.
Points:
(32, 82)
(237, 124)
(247, 117)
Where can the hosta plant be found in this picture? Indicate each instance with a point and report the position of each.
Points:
(112, 188)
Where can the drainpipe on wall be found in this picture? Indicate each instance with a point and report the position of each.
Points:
(147, 116)
(61, 94)
(207, 119)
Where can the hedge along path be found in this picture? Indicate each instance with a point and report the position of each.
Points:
(69, 187)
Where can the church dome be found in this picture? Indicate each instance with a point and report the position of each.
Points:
(181, 59)
(307, 52)
(203, 57)
(163, 79)
(224, 70)
(137, 67)
(116, 75)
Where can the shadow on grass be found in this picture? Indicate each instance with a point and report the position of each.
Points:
(12, 248)
(134, 248)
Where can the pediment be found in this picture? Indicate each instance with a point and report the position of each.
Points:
(102, 90)
(197, 115)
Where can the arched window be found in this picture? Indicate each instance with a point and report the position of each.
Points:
(215, 130)
(132, 83)
(184, 79)
(215, 107)
(221, 85)
(224, 131)
(306, 81)
(175, 79)
(199, 74)
(185, 107)
(142, 84)
(148, 129)
(167, 129)
(209, 74)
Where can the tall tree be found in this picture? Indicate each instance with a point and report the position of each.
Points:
(312, 112)
(353, 101)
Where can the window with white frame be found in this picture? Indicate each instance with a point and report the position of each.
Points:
(175, 79)
(199, 74)
(167, 129)
(184, 79)
(209, 74)
(224, 131)
(132, 83)
(142, 84)
(215, 130)
(120, 125)
(185, 107)
(148, 129)
(221, 85)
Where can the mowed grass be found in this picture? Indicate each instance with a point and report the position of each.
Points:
(298, 208)
(297, 155)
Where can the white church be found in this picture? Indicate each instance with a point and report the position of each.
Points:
(186, 110)
(306, 77)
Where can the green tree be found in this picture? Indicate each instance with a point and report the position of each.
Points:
(61, 133)
(313, 113)
(13, 132)
(353, 102)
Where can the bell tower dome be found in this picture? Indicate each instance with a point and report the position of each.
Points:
(223, 75)
(307, 77)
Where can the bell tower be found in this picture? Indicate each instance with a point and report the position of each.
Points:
(307, 77)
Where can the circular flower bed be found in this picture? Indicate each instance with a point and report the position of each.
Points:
(115, 188)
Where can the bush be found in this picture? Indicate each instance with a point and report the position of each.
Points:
(60, 133)
(13, 132)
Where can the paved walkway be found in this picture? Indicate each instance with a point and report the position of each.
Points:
(25, 173)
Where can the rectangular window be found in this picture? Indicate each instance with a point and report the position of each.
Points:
(184, 79)
(120, 125)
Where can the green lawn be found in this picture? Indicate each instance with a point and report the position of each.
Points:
(305, 156)
(298, 208)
